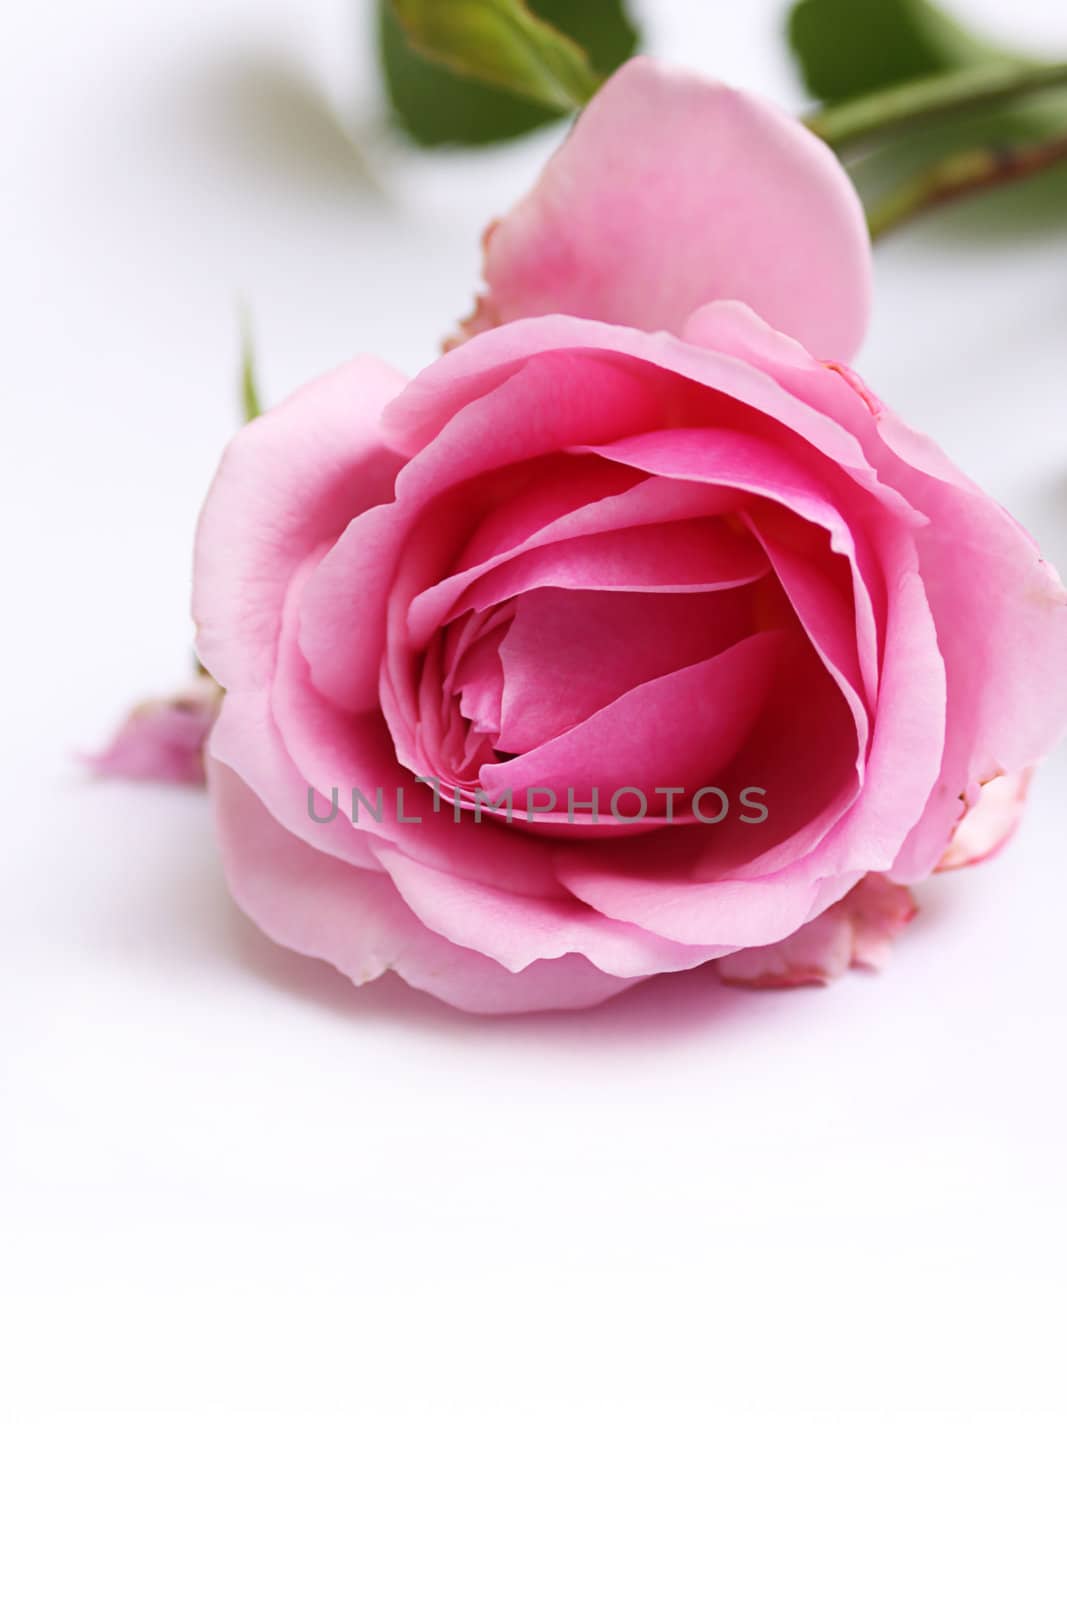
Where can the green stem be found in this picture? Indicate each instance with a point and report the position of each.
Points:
(870, 116)
(967, 172)
(251, 405)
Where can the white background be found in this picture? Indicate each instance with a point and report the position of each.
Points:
(315, 1292)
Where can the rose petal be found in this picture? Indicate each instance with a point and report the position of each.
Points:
(1001, 616)
(480, 917)
(691, 884)
(477, 369)
(290, 481)
(990, 823)
(908, 733)
(683, 557)
(538, 408)
(780, 470)
(520, 532)
(320, 906)
(162, 740)
(570, 652)
(856, 932)
(1000, 610)
(673, 190)
(680, 729)
(326, 748)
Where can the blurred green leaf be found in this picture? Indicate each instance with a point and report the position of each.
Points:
(923, 109)
(504, 43)
(846, 48)
(251, 406)
(439, 104)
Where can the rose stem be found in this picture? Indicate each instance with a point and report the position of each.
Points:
(967, 172)
(869, 116)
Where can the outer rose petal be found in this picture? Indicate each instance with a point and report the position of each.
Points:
(1001, 615)
(1000, 610)
(856, 932)
(162, 740)
(990, 824)
(519, 924)
(291, 480)
(319, 906)
(673, 190)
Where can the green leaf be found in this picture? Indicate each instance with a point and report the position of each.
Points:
(545, 73)
(913, 99)
(845, 48)
(993, 89)
(501, 42)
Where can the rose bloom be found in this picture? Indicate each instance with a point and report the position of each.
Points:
(639, 528)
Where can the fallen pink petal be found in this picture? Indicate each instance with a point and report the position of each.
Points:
(162, 741)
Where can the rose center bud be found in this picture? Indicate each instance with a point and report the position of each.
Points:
(609, 678)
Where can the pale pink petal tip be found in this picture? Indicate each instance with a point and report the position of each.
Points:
(162, 741)
(856, 932)
(990, 823)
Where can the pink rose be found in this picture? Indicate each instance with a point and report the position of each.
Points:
(642, 534)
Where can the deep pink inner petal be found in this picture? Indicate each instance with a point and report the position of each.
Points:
(479, 683)
(768, 463)
(818, 587)
(509, 531)
(691, 554)
(678, 730)
(570, 652)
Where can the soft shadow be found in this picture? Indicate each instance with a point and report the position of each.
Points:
(262, 115)
(667, 1007)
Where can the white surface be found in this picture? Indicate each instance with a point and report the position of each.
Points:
(322, 1293)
